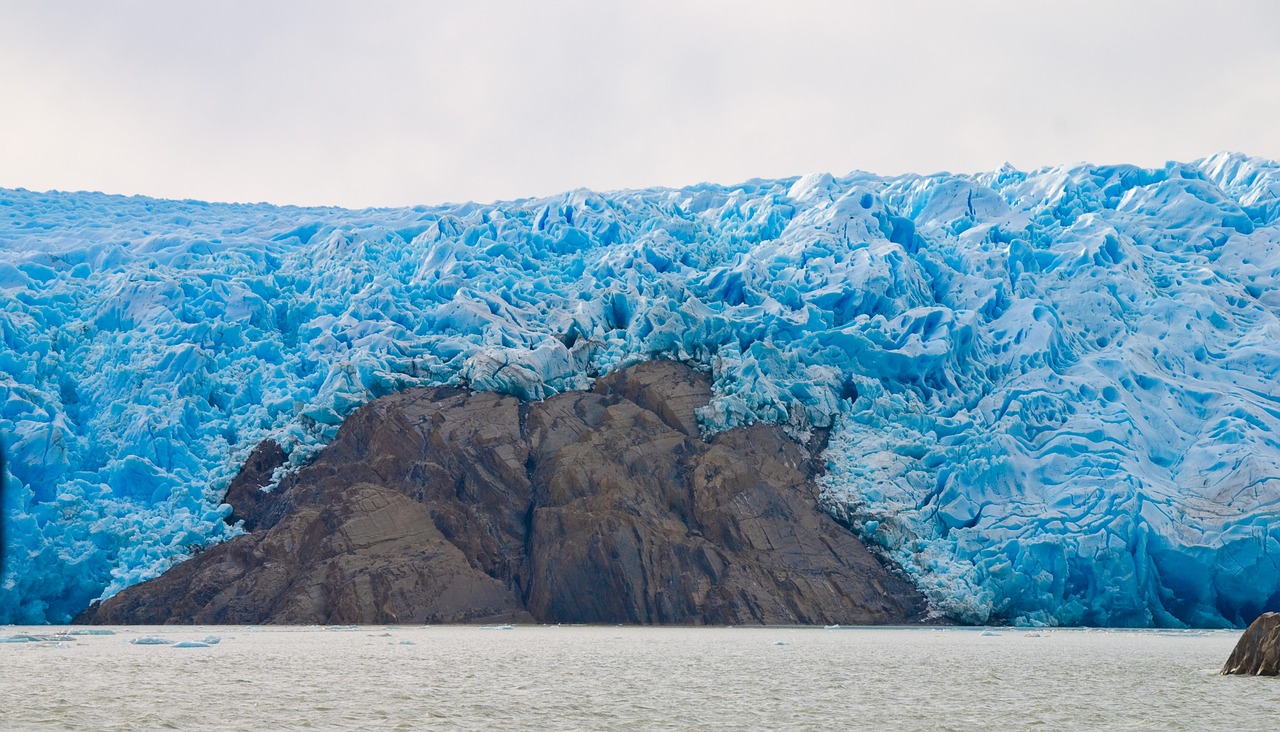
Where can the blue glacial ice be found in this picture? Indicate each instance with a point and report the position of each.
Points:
(1053, 396)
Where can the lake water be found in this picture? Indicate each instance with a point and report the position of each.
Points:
(630, 678)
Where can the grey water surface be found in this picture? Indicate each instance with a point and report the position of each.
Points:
(530, 677)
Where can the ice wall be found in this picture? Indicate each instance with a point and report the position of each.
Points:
(1053, 394)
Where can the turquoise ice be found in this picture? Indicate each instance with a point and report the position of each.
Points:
(1054, 396)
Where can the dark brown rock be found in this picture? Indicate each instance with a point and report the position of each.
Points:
(245, 494)
(442, 505)
(369, 555)
(1257, 653)
(669, 389)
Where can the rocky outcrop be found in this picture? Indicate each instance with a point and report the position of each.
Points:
(443, 505)
(245, 491)
(1257, 653)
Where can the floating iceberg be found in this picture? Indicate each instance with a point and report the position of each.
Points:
(1054, 396)
(191, 644)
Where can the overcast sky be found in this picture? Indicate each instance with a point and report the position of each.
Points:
(392, 103)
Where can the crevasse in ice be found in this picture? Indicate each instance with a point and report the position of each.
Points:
(1052, 395)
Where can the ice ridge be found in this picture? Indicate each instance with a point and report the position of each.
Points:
(1052, 395)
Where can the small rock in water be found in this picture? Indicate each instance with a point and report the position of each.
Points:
(1257, 653)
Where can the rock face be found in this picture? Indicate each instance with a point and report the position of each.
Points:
(1257, 653)
(443, 505)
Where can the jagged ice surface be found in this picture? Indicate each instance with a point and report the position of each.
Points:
(1053, 395)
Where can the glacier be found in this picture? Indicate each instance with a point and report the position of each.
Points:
(1052, 396)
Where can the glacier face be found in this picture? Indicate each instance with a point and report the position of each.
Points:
(1053, 395)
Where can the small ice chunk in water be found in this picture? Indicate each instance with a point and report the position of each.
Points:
(151, 640)
(191, 644)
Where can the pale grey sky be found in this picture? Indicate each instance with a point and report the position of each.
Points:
(389, 103)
